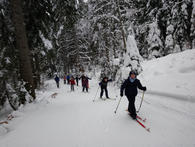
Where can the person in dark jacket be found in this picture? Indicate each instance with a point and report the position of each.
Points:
(103, 84)
(57, 79)
(85, 82)
(64, 79)
(130, 86)
(77, 80)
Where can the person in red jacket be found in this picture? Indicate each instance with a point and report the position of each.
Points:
(72, 83)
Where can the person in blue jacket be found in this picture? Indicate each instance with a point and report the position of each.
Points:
(68, 79)
(57, 79)
(130, 86)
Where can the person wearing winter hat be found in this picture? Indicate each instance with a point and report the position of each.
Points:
(103, 85)
(130, 86)
(57, 79)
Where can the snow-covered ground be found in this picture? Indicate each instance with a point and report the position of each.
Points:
(72, 119)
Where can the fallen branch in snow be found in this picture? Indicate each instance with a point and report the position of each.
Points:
(4, 122)
(54, 95)
(9, 117)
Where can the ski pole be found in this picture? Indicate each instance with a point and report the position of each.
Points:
(118, 104)
(141, 102)
(96, 94)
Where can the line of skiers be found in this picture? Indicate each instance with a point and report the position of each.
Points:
(130, 86)
(68, 79)
(71, 80)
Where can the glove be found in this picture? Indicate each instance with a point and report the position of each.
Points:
(121, 94)
(100, 83)
(144, 88)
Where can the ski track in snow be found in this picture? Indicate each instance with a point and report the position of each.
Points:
(174, 96)
(72, 119)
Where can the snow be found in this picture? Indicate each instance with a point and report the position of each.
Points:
(132, 58)
(46, 42)
(116, 61)
(72, 119)
(175, 75)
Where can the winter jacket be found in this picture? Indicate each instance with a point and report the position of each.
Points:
(72, 82)
(57, 79)
(68, 77)
(85, 82)
(131, 87)
(77, 79)
(104, 83)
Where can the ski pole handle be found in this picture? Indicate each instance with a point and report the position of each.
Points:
(118, 104)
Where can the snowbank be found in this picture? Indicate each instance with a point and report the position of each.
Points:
(173, 75)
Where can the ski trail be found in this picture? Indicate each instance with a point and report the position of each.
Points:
(171, 95)
(73, 119)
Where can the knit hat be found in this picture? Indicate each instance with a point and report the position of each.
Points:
(132, 72)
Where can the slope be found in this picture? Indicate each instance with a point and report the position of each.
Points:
(72, 119)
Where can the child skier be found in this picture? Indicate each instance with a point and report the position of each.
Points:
(103, 85)
(130, 85)
(57, 79)
(72, 83)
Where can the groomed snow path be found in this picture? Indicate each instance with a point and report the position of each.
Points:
(72, 119)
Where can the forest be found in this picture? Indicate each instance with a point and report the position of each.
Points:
(41, 38)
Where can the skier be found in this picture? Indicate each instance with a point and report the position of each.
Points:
(85, 82)
(77, 80)
(64, 79)
(72, 83)
(57, 79)
(68, 79)
(130, 85)
(103, 85)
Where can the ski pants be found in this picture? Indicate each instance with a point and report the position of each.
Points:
(131, 107)
(72, 87)
(85, 87)
(102, 92)
(57, 83)
(68, 81)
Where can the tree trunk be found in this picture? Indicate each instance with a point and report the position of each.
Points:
(121, 25)
(22, 46)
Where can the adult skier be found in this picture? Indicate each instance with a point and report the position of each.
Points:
(68, 79)
(64, 79)
(57, 79)
(85, 82)
(103, 84)
(130, 85)
(77, 80)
